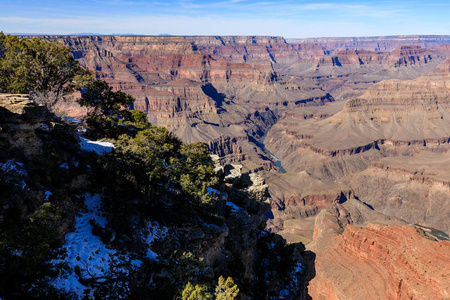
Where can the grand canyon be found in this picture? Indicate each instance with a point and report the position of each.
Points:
(350, 137)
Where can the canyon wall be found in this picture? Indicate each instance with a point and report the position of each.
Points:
(377, 262)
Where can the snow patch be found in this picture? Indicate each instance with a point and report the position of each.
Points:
(47, 194)
(234, 207)
(14, 172)
(153, 231)
(44, 127)
(91, 257)
(96, 146)
(11, 167)
(64, 166)
(298, 270)
(85, 250)
(210, 191)
(69, 119)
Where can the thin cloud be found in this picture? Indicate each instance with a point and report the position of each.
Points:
(225, 17)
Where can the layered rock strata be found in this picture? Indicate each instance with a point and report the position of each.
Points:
(413, 188)
(378, 262)
(200, 96)
(388, 148)
(20, 117)
(391, 114)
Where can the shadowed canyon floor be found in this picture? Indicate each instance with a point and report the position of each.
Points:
(360, 125)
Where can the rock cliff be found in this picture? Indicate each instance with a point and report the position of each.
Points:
(20, 117)
(387, 148)
(256, 48)
(44, 165)
(377, 262)
(191, 86)
(414, 188)
(391, 114)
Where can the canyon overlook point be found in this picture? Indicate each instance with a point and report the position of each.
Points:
(340, 146)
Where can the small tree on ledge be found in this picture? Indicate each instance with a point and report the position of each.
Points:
(103, 101)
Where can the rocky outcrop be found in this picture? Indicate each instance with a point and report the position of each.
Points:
(377, 262)
(403, 56)
(20, 118)
(224, 146)
(197, 92)
(248, 252)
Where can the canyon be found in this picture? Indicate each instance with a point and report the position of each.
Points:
(360, 125)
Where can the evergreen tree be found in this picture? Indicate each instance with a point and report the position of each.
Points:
(103, 101)
(226, 289)
(43, 69)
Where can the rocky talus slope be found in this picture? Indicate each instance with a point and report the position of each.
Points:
(377, 262)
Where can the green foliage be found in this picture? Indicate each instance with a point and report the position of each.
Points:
(36, 66)
(197, 292)
(157, 162)
(226, 289)
(103, 101)
(26, 253)
(196, 170)
(136, 118)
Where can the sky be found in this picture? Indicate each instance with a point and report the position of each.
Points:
(290, 19)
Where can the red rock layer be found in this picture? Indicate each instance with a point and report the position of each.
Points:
(255, 48)
(378, 262)
(167, 75)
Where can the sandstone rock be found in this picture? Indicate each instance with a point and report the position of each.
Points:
(19, 118)
(378, 262)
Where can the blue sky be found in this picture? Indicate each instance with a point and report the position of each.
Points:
(291, 19)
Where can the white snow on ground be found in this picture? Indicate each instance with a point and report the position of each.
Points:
(89, 253)
(64, 166)
(153, 231)
(210, 191)
(299, 269)
(96, 146)
(44, 127)
(85, 249)
(47, 194)
(11, 167)
(14, 171)
(234, 207)
(69, 119)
